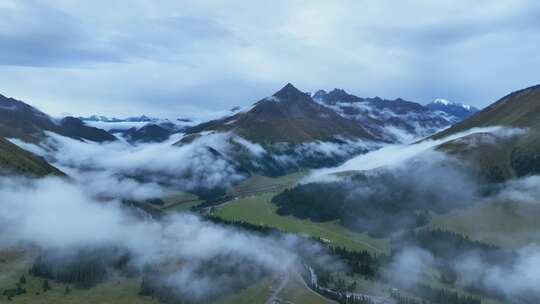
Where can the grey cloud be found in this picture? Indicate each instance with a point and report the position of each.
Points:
(214, 55)
(449, 33)
(35, 34)
(32, 205)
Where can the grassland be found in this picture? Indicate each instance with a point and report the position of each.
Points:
(503, 223)
(258, 209)
(181, 201)
(257, 184)
(15, 263)
(295, 291)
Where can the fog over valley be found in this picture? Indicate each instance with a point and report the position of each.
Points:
(352, 152)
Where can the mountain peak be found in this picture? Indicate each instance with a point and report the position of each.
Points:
(453, 108)
(319, 94)
(446, 102)
(338, 94)
(442, 101)
(338, 91)
(289, 92)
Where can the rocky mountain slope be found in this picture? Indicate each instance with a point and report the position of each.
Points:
(458, 110)
(393, 120)
(289, 116)
(285, 132)
(152, 132)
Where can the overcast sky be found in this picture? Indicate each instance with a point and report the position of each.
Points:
(180, 58)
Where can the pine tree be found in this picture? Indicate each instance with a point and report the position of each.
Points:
(46, 285)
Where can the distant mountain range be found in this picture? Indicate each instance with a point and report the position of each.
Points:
(394, 120)
(282, 133)
(292, 129)
(287, 131)
(456, 109)
(101, 118)
(139, 129)
(151, 132)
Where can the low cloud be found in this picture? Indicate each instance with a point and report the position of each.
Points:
(212, 160)
(59, 216)
(396, 154)
(512, 278)
(523, 190)
(517, 280)
(409, 266)
(144, 170)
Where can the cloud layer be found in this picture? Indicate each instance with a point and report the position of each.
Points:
(60, 218)
(175, 58)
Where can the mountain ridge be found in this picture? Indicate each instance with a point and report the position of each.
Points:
(15, 160)
(395, 120)
(288, 115)
(514, 153)
(22, 121)
(457, 109)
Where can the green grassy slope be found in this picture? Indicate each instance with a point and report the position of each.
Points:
(295, 291)
(15, 263)
(259, 210)
(19, 161)
(502, 158)
(503, 223)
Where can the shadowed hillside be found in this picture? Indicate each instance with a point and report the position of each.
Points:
(19, 161)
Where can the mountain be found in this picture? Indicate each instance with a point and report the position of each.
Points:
(289, 116)
(101, 118)
(285, 132)
(22, 121)
(76, 128)
(149, 133)
(19, 161)
(459, 110)
(508, 153)
(393, 120)
(139, 129)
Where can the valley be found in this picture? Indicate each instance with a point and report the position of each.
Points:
(269, 152)
(328, 213)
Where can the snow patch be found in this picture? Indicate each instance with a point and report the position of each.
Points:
(442, 101)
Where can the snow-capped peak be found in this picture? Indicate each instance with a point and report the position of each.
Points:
(443, 101)
(447, 102)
